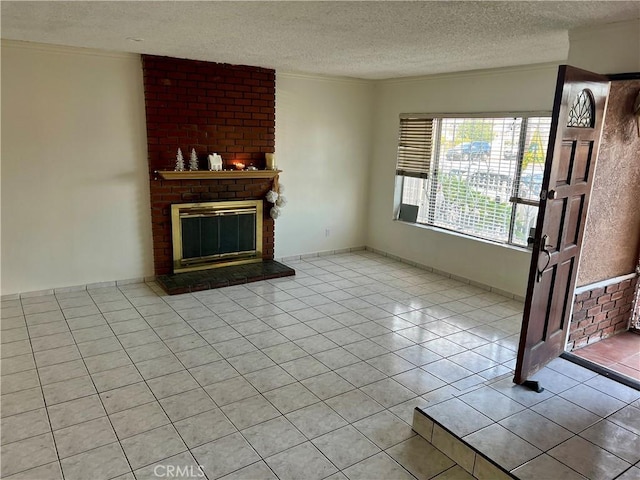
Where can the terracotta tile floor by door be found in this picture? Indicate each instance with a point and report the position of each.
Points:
(620, 353)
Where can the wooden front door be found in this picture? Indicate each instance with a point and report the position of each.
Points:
(576, 128)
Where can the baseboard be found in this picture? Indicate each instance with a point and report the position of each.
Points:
(468, 281)
(78, 288)
(322, 253)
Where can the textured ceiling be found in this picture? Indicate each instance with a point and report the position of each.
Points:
(372, 40)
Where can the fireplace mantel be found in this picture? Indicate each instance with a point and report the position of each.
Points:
(221, 175)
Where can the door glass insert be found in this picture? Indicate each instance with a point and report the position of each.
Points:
(582, 111)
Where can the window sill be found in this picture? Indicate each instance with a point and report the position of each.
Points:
(465, 236)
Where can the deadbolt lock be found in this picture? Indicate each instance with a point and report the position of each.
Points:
(544, 195)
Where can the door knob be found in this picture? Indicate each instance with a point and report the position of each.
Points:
(544, 249)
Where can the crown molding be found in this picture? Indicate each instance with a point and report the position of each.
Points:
(475, 73)
(65, 50)
(324, 78)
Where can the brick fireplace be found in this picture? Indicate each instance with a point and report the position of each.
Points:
(209, 107)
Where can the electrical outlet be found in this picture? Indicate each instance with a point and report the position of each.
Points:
(327, 232)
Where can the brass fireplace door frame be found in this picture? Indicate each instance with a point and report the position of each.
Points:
(179, 210)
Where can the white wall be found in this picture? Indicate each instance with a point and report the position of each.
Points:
(514, 89)
(75, 192)
(323, 141)
(612, 48)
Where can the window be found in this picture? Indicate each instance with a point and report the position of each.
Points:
(476, 175)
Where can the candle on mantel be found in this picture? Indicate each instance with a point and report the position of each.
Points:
(239, 165)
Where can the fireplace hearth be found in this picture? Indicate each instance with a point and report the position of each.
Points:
(223, 277)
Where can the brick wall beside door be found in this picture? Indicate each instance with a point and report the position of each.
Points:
(600, 313)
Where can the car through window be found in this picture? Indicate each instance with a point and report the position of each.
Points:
(476, 175)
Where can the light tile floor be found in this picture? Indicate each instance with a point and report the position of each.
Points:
(310, 377)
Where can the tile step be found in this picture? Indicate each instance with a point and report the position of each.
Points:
(468, 457)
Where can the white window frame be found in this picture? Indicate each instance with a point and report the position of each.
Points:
(433, 162)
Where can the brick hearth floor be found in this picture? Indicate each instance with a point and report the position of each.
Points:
(309, 377)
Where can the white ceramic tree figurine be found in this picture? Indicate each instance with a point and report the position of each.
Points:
(179, 161)
(193, 161)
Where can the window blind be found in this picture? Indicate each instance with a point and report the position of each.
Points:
(486, 175)
(414, 147)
